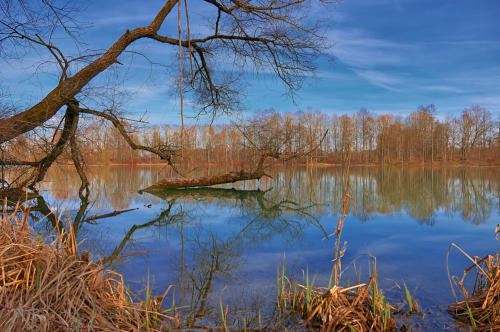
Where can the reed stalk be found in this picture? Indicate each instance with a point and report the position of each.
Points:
(480, 307)
(47, 285)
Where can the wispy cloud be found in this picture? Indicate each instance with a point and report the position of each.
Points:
(416, 67)
(145, 91)
(382, 79)
(441, 88)
(357, 48)
(121, 20)
(488, 101)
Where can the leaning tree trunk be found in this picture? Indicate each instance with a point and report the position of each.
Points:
(206, 180)
(68, 88)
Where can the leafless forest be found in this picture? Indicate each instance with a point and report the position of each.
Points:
(472, 137)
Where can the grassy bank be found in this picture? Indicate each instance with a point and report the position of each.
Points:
(49, 286)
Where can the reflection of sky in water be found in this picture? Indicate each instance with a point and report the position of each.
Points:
(249, 244)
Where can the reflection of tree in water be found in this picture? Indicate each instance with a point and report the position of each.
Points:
(113, 186)
(476, 201)
(55, 218)
(207, 256)
(166, 217)
(39, 210)
(420, 192)
(264, 212)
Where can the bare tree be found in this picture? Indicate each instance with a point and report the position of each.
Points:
(270, 138)
(254, 35)
(474, 124)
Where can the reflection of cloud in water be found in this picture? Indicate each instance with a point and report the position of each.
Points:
(387, 245)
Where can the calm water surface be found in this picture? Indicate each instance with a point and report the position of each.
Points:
(224, 244)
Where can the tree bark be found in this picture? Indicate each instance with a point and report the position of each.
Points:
(69, 130)
(205, 181)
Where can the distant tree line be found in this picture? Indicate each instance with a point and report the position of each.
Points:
(472, 136)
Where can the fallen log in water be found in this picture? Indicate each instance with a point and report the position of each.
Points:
(205, 181)
(208, 192)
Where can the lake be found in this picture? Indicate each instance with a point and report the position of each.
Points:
(224, 245)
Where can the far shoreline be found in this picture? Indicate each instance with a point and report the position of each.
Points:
(311, 165)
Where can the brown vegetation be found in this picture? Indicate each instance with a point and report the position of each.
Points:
(362, 307)
(480, 308)
(47, 286)
(377, 139)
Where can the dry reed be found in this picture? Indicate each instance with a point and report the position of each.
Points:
(481, 308)
(362, 307)
(47, 286)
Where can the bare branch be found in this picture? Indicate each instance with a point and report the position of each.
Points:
(164, 152)
(68, 88)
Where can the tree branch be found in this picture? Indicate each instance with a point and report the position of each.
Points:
(162, 152)
(68, 88)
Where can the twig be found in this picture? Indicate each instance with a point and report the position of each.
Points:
(107, 215)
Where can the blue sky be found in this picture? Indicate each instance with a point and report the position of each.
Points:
(390, 57)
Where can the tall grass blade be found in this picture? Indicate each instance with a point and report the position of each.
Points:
(471, 317)
(409, 299)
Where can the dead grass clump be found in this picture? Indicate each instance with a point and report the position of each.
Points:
(49, 287)
(358, 308)
(481, 308)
